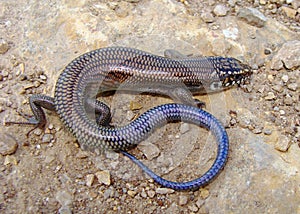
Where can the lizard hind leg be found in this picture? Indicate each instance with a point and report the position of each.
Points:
(38, 119)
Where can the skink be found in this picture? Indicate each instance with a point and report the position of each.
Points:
(123, 68)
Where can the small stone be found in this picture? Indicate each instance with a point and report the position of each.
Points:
(252, 16)
(143, 194)
(193, 208)
(43, 77)
(108, 193)
(292, 86)
(257, 131)
(8, 145)
(131, 193)
(3, 46)
(82, 154)
(151, 193)
(183, 199)
(232, 2)
(207, 17)
(277, 88)
(135, 106)
(47, 138)
(283, 143)
(285, 78)
(103, 177)
(270, 77)
(289, 12)
(5, 73)
(220, 10)
(270, 96)
(64, 198)
(262, 2)
(267, 132)
(281, 112)
(150, 150)
(164, 191)
(90, 179)
(204, 193)
(288, 100)
(10, 159)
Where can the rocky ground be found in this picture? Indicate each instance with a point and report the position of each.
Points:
(48, 172)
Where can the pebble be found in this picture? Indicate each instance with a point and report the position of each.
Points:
(143, 194)
(151, 193)
(10, 159)
(131, 193)
(90, 179)
(82, 154)
(8, 144)
(43, 77)
(252, 16)
(220, 10)
(270, 96)
(285, 78)
(103, 177)
(193, 208)
(204, 193)
(288, 100)
(262, 2)
(47, 138)
(64, 197)
(3, 46)
(183, 199)
(292, 86)
(164, 191)
(150, 150)
(257, 131)
(108, 193)
(207, 17)
(277, 88)
(283, 143)
(267, 132)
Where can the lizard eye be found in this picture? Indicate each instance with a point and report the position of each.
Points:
(215, 86)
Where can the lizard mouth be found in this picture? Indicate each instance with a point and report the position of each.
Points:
(238, 77)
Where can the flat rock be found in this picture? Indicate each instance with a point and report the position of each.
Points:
(288, 56)
(252, 16)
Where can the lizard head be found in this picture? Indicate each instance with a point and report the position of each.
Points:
(231, 72)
